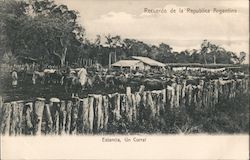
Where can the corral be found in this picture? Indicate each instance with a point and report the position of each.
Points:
(142, 103)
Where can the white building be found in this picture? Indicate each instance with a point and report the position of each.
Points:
(139, 63)
(129, 64)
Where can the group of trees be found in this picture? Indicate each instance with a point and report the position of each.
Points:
(50, 33)
(40, 29)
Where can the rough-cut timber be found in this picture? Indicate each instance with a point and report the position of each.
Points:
(38, 115)
(102, 113)
(6, 118)
(16, 118)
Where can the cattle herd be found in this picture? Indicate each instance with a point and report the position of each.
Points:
(76, 80)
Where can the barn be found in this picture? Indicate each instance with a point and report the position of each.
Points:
(149, 63)
(128, 64)
(138, 63)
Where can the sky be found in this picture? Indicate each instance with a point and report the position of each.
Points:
(181, 31)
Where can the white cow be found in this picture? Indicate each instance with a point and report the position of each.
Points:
(76, 81)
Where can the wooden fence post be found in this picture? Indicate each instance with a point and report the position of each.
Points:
(246, 85)
(13, 118)
(142, 88)
(183, 94)
(216, 91)
(68, 119)
(1, 107)
(84, 105)
(137, 105)
(62, 118)
(199, 94)
(130, 108)
(133, 109)
(168, 97)
(204, 96)
(128, 90)
(106, 112)
(38, 114)
(209, 95)
(91, 114)
(16, 118)
(150, 106)
(28, 119)
(129, 105)
(54, 108)
(74, 116)
(142, 107)
(6, 112)
(124, 106)
(173, 96)
(49, 122)
(117, 107)
(98, 118)
(164, 97)
(178, 94)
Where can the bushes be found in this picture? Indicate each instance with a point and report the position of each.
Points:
(231, 116)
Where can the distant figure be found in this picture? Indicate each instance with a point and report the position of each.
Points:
(14, 78)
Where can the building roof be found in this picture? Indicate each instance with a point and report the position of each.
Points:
(149, 61)
(125, 63)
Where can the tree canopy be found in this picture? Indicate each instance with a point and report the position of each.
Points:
(43, 30)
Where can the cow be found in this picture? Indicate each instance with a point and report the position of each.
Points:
(38, 76)
(75, 81)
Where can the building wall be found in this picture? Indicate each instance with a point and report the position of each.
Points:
(146, 67)
(138, 65)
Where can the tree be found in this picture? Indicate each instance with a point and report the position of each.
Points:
(113, 43)
(165, 54)
(59, 24)
(238, 59)
(195, 56)
(129, 45)
(45, 30)
(213, 53)
(11, 14)
(242, 57)
(204, 50)
(97, 48)
(184, 57)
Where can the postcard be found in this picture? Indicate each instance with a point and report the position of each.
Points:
(141, 79)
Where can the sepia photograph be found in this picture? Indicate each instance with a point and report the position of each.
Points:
(144, 67)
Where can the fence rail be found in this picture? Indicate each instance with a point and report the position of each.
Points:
(98, 113)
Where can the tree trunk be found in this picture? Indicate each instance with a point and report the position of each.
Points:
(115, 56)
(205, 60)
(110, 60)
(63, 57)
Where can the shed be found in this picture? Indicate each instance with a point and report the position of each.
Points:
(149, 63)
(129, 64)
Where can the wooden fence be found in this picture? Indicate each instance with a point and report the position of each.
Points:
(97, 113)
